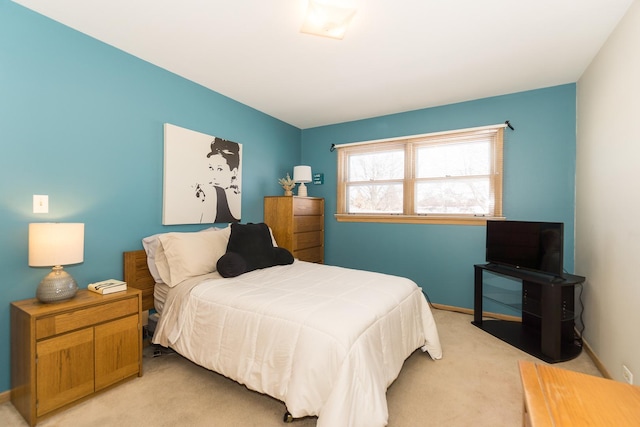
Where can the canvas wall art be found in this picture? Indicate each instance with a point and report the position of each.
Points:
(202, 178)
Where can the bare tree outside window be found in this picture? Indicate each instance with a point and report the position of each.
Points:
(450, 174)
(377, 182)
(454, 178)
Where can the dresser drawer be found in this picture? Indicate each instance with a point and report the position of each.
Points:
(307, 223)
(315, 254)
(307, 240)
(302, 206)
(76, 319)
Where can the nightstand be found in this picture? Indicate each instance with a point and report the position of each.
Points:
(64, 352)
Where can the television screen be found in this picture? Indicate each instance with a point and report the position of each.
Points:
(536, 246)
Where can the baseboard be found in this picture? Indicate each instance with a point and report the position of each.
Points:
(470, 312)
(587, 348)
(585, 345)
(452, 308)
(5, 396)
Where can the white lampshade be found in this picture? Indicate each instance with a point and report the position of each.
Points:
(54, 245)
(302, 174)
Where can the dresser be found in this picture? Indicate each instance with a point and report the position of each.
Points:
(297, 224)
(67, 351)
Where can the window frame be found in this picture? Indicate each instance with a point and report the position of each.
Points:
(410, 144)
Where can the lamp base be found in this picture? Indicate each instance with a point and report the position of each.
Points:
(302, 190)
(56, 286)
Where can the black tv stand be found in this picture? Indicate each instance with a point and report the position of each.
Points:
(548, 313)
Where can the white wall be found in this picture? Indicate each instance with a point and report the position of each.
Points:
(608, 197)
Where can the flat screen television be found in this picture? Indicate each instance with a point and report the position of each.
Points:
(530, 245)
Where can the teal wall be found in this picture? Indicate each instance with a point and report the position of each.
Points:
(539, 183)
(82, 122)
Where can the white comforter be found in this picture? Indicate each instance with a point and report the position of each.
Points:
(327, 341)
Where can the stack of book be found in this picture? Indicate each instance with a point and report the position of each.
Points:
(108, 286)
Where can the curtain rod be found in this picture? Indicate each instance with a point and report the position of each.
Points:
(506, 124)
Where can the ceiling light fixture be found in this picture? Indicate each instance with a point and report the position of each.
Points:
(328, 18)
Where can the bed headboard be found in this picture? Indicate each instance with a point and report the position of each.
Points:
(136, 274)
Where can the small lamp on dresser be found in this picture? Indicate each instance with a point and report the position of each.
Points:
(302, 174)
(54, 245)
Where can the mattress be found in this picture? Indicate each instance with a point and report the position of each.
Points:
(327, 341)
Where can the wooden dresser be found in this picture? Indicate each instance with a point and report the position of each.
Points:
(297, 224)
(64, 352)
(555, 397)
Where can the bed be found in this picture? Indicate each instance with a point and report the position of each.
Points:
(325, 340)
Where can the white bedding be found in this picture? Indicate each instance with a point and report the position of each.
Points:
(327, 341)
(160, 292)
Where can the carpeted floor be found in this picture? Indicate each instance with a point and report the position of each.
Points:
(476, 383)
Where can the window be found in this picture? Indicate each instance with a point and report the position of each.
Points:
(446, 177)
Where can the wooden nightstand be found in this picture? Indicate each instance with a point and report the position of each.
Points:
(64, 352)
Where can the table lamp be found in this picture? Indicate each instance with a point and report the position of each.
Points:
(54, 245)
(302, 174)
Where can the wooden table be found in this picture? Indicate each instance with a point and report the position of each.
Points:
(559, 398)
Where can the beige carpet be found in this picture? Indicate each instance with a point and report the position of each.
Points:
(476, 383)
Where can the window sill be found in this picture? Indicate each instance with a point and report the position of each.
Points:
(416, 219)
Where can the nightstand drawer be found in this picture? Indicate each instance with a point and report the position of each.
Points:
(76, 319)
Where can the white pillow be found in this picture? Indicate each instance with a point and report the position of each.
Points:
(273, 239)
(151, 244)
(183, 255)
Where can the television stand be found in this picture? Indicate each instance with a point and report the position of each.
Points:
(548, 313)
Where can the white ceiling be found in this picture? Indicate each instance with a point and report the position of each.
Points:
(397, 55)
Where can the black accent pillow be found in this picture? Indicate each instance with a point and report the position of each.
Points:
(283, 256)
(253, 243)
(250, 247)
(231, 264)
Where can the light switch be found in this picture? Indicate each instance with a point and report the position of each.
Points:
(40, 204)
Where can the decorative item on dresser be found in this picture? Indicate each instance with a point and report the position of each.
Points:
(287, 184)
(298, 225)
(65, 352)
